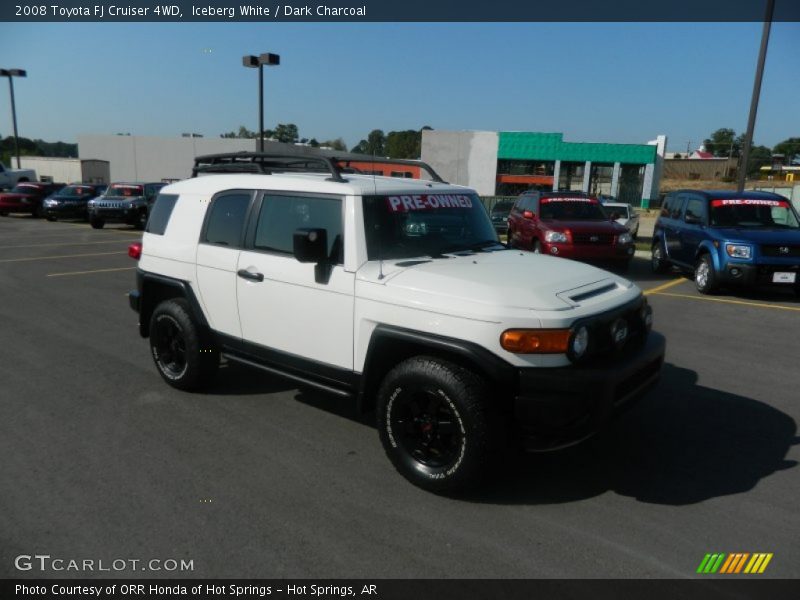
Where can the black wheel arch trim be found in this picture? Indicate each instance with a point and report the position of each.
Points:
(148, 282)
(499, 371)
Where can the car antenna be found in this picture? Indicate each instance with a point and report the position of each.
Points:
(380, 250)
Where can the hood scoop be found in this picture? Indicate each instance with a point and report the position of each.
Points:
(587, 292)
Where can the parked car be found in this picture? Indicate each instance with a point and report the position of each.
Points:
(625, 215)
(27, 198)
(71, 201)
(11, 177)
(499, 215)
(570, 225)
(393, 294)
(729, 238)
(123, 203)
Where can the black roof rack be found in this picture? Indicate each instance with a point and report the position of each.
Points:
(267, 163)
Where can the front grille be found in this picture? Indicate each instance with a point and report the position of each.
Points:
(109, 204)
(601, 345)
(780, 250)
(592, 238)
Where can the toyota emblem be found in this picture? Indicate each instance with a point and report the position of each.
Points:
(593, 238)
(783, 249)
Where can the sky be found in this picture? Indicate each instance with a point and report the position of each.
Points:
(595, 82)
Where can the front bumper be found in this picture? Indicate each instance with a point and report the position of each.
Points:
(559, 407)
(17, 207)
(611, 252)
(759, 274)
(65, 210)
(116, 215)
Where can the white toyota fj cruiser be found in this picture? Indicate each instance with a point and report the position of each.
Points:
(395, 293)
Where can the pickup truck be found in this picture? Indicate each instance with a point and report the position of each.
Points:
(11, 177)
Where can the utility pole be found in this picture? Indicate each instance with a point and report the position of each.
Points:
(751, 121)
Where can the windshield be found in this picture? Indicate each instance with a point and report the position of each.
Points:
(74, 191)
(123, 191)
(426, 225)
(621, 212)
(571, 209)
(753, 213)
(502, 207)
(25, 189)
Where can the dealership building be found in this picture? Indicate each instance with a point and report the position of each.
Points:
(506, 163)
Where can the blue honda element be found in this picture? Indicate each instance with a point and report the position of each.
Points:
(729, 238)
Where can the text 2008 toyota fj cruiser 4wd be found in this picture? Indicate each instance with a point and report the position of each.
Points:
(395, 293)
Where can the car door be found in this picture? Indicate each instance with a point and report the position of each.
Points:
(290, 309)
(692, 229)
(217, 259)
(670, 225)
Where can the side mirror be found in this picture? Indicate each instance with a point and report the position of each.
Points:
(310, 245)
(527, 214)
(692, 219)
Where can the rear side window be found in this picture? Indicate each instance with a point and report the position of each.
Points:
(226, 219)
(160, 213)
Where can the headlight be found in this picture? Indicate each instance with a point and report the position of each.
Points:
(555, 236)
(51, 202)
(738, 250)
(579, 342)
(647, 315)
(624, 238)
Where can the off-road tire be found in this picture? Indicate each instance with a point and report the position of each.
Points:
(182, 351)
(457, 455)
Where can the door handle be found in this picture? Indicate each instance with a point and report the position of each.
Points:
(245, 274)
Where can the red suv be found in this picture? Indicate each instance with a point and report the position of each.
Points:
(27, 197)
(568, 224)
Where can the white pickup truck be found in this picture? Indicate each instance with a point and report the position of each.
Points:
(11, 177)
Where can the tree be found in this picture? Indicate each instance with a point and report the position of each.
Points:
(360, 147)
(286, 133)
(403, 144)
(376, 143)
(759, 156)
(243, 132)
(337, 144)
(723, 142)
(790, 148)
(313, 143)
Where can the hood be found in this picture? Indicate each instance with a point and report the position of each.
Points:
(762, 235)
(611, 227)
(483, 283)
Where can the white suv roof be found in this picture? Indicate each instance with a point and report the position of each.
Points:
(354, 184)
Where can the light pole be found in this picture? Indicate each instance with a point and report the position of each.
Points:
(11, 73)
(271, 60)
(751, 121)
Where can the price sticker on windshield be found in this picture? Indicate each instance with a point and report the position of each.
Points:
(749, 202)
(427, 202)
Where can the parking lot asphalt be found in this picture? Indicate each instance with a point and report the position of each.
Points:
(102, 460)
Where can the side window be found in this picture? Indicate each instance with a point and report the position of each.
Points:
(159, 215)
(281, 215)
(226, 219)
(675, 207)
(695, 209)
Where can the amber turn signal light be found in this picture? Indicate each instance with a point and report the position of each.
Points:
(535, 341)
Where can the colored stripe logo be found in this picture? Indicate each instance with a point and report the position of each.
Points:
(738, 562)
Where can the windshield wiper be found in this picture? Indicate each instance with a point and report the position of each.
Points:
(474, 247)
